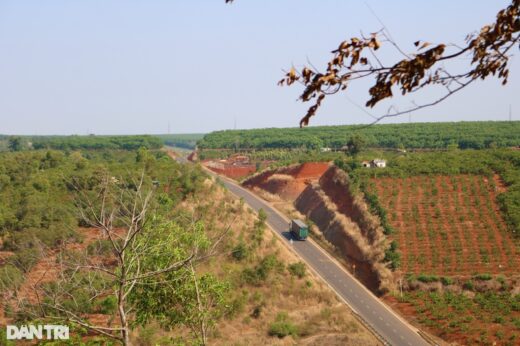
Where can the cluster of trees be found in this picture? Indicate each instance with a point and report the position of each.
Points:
(94, 142)
(463, 135)
(51, 193)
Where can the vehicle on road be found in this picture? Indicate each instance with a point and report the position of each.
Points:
(299, 229)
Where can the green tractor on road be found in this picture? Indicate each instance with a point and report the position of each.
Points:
(299, 229)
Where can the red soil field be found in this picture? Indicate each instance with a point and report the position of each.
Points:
(449, 225)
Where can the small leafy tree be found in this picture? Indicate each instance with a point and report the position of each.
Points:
(355, 144)
(15, 143)
(150, 255)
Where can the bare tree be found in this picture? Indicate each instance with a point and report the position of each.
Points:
(139, 256)
(121, 212)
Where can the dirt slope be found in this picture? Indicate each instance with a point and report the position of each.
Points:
(288, 182)
(320, 192)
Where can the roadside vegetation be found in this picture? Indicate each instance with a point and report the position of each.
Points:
(240, 284)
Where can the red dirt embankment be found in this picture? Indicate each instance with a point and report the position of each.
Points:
(288, 182)
(235, 172)
(320, 191)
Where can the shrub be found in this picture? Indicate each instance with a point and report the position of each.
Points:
(281, 327)
(240, 251)
(483, 277)
(10, 277)
(107, 305)
(468, 285)
(100, 247)
(447, 281)
(257, 311)
(392, 256)
(262, 271)
(297, 269)
(25, 259)
(427, 278)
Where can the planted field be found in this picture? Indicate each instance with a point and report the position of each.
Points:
(449, 225)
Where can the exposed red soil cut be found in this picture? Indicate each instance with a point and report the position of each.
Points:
(320, 192)
(449, 225)
(288, 182)
(234, 172)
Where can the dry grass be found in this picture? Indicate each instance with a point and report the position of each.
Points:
(310, 304)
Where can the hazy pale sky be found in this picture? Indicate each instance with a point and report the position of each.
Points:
(126, 67)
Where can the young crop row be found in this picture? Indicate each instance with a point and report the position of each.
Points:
(447, 225)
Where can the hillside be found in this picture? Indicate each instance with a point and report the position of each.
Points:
(439, 226)
(265, 294)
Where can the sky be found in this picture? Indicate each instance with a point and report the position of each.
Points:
(184, 66)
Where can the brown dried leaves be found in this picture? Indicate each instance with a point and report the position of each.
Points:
(351, 62)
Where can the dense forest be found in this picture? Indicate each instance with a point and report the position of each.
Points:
(463, 135)
(94, 142)
(74, 142)
(18, 143)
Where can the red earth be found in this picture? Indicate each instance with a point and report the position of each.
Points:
(449, 225)
(288, 182)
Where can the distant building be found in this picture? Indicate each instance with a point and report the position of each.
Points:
(379, 163)
(325, 149)
(375, 163)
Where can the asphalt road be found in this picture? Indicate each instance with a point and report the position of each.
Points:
(391, 328)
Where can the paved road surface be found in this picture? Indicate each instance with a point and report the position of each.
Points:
(393, 330)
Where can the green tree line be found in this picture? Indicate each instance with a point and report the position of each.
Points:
(463, 135)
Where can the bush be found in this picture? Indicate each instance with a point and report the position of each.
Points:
(257, 311)
(447, 281)
(107, 306)
(297, 269)
(468, 285)
(483, 277)
(392, 256)
(240, 251)
(10, 278)
(281, 327)
(427, 278)
(261, 272)
(100, 247)
(25, 259)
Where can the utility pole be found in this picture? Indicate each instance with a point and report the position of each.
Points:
(168, 127)
(510, 113)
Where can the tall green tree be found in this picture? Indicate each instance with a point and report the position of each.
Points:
(15, 143)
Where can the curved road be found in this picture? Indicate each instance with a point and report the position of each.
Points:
(391, 328)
